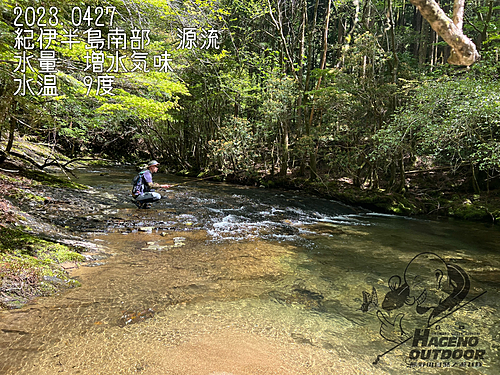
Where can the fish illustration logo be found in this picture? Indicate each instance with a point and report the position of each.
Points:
(370, 301)
(398, 295)
(429, 285)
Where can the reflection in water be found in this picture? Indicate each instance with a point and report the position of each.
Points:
(217, 279)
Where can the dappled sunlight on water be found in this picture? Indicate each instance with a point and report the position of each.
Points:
(232, 280)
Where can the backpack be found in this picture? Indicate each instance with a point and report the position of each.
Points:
(138, 184)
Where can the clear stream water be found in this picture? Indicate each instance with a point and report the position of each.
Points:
(221, 279)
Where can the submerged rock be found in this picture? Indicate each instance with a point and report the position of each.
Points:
(304, 297)
(54, 280)
(156, 248)
(179, 241)
(132, 317)
(12, 302)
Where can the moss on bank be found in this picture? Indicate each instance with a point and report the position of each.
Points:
(51, 180)
(30, 267)
(16, 186)
(475, 207)
(416, 201)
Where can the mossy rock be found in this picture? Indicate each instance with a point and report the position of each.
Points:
(20, 242)
(51, 180)
(34, 263)
(12, 302)
(399, 208)
(8, 179)
(471, 212)
(23, 195)
(379, 201)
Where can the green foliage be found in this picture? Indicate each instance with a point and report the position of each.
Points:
(259, 102)
(446, 123)
(136, 106)
(453, 121)
(81, 122)
(278, 98)
(234, 149)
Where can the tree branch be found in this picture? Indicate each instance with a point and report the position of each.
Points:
(55, 162)
(279, 27)
(458, 13)
(464, 51)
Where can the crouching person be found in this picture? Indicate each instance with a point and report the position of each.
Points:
(143, 186)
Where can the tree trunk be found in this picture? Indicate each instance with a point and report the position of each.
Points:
(12, 131)
(484, 32)
(392, 178)
(402, 177)
(300, 99)
(424, 39)
(395, 65)
(475, 184)
(322, 66)
(308, 77)
(284, 151)
(464, 51)
(13, 122)
(278, 23)
(417, 25)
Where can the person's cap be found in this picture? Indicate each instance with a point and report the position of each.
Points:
(152, 162)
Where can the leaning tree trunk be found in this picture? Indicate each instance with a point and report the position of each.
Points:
(4, 154)
(464, 51)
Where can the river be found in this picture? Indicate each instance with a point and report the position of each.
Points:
(223, 279)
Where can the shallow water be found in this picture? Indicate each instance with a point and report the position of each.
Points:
(219, 279)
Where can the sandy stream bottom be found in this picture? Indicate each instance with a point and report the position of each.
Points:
(156, 347)
(213, 316)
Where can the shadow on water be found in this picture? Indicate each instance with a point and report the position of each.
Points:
(219, 279)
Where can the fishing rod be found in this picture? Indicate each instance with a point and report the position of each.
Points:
(197, 179)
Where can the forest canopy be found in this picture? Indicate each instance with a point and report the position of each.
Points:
(362, 91)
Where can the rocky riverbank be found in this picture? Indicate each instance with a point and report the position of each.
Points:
(42, 218)
(422, 196)
(37, 253)
(459, 205)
